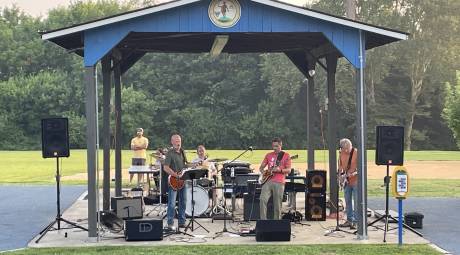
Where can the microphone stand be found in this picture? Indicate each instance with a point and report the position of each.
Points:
(233, 177)
(225, 230)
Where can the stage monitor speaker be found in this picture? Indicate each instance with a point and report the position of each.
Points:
(273, 230)
(55, 138)
(144, 230)
(127, 207)
(390, 145)
(316, 181)
(251, 207)
(315, 207)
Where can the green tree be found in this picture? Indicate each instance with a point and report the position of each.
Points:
(451, 112)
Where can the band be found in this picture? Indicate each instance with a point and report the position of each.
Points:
(272, 171)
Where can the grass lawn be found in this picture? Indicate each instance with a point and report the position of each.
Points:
(28, 167)
(420, 188)
(352, 249)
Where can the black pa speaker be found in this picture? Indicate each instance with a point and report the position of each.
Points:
(144, 230)
(55, 137)
(316, 181)
(315, 207)
(390, 145)
(273, 230)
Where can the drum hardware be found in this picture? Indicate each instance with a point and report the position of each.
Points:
(158, 208)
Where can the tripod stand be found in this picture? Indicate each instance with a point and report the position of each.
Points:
(224, 230)
(160, 196)
(387, 215)
(58, 218)
(177, 231)
(337, 227)
(191, 223)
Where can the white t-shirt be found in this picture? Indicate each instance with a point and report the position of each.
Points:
(212, 165)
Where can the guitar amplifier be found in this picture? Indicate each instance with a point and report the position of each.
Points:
(144, 230)
(251, 206)
(127, 207)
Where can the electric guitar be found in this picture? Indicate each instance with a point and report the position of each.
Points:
(268, 174)
(176, 183)
(343, 178)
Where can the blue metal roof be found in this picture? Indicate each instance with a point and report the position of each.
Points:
(184, 26)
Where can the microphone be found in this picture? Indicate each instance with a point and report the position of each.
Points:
(250, 148)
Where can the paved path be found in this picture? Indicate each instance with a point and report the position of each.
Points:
(441, 224)
(25, 210)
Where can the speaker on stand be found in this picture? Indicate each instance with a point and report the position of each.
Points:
(55, 144)
(389, 151)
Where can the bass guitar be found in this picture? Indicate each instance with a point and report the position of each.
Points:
(344, 178)
(268, 174)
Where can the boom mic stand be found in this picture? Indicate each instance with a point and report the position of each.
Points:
(225, 230)
(232, 175)
(58, 218)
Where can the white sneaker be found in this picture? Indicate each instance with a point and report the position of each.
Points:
(172, 227)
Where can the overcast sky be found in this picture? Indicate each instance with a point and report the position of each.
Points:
(40, 7)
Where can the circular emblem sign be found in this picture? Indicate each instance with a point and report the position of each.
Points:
(224, 13)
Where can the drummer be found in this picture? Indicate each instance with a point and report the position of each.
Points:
(202, 160)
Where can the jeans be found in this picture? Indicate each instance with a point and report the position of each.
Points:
(276, 190)
(351, 198)
(172, 194)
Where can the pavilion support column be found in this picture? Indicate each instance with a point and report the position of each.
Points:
(331, 61)
(117, 83)
(311, 114)
(361, 144)
(91, 136)
(107, 87)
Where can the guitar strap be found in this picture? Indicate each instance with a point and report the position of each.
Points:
(279, 158)
(183, 155)
(349, 160)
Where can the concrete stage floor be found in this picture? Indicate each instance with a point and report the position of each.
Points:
(308, 232)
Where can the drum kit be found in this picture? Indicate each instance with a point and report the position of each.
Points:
(202, 189)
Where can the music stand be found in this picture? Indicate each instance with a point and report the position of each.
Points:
(193, 175)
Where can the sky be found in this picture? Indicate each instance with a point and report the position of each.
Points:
(40, 7)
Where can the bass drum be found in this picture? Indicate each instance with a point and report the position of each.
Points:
(201, 197)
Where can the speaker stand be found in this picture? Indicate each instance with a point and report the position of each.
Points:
(387, 215)
(58, 218)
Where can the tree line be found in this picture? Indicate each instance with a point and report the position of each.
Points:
(233, 101)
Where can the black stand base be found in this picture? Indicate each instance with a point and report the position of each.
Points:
(191, 223)
(338, 229)
(386, 218)
(387, 215)
(58, 220)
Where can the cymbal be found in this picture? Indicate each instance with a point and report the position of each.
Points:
(217, 159)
